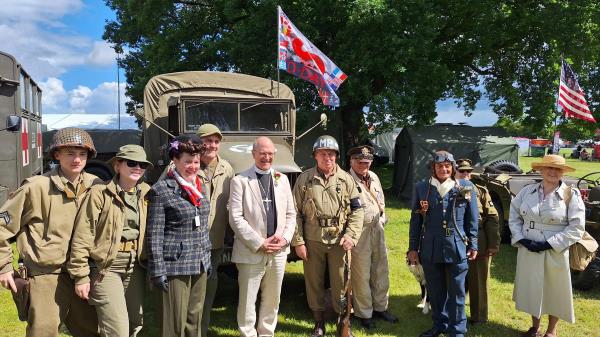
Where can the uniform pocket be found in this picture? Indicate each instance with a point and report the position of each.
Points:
(172, 252)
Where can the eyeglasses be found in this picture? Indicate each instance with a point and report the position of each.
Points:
(133, 163)
(464, 171)
(440, 158)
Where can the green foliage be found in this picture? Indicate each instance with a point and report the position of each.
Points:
(401, 57)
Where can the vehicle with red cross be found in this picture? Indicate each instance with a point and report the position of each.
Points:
(21, 138)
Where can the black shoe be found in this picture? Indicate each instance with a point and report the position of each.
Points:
(386, 316)
(433, 332)
(367, 323)
(319, 329)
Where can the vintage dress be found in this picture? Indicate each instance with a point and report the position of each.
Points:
(543, 280)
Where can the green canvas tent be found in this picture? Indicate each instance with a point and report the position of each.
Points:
(415, 146)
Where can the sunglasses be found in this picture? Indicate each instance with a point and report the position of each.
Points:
(133, 163)
(440, 158)
(464, 171)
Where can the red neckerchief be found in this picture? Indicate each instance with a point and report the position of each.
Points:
(193, 198)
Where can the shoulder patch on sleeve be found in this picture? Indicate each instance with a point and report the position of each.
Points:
(6, 217)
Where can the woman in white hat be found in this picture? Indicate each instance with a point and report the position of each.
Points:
(545, 219)
(109, 236)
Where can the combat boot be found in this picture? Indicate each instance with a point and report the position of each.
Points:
(319, 329)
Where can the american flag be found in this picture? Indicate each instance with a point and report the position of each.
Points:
(571, 97)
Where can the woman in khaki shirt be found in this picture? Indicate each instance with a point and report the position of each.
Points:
(109, 236)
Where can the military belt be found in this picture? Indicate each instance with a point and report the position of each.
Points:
(127, 246)
(327, 222)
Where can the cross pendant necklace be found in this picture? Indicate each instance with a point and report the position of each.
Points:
(266, 199)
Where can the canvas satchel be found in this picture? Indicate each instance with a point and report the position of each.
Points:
(583, 251)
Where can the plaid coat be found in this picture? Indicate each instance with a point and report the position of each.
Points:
(176, 246)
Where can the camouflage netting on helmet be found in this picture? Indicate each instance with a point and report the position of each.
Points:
(72, 137)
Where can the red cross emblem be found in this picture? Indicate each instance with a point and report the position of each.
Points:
(25, 141)
(39, 140)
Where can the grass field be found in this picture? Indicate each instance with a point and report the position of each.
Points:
(295, 318)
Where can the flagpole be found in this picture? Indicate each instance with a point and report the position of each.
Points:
(277, 53)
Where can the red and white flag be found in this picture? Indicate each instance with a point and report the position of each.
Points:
(571, 97)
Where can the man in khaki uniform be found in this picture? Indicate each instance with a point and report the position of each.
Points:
(329, 222)
(370, 272)
(216, 174)
(41, 215)
(489, 243)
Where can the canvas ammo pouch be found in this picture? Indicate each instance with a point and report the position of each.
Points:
(21, 297)
(582, 252)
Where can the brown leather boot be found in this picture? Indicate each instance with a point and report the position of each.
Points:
(319, 329)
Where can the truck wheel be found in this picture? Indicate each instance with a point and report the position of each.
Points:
(506, 166)
(101, 172)
(586, 279)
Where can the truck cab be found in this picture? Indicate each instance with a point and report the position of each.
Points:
(21, 139)
(242, 106)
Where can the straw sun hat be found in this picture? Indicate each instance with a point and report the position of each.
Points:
(553, 161)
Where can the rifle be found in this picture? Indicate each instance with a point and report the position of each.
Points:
(343, 321)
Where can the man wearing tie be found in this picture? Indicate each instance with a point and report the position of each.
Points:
(263, 218)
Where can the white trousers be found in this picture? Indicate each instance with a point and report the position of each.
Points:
(266, 277)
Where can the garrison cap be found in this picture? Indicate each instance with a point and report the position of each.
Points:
(362, 153)
(208, 130)
(464, 164)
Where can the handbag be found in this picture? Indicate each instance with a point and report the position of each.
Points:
(583, 251)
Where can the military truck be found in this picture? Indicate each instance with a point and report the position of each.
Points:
(242, 106)
(21, 139)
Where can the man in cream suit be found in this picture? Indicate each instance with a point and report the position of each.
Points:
(263, 218)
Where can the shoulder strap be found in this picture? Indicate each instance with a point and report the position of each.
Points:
(568, 197)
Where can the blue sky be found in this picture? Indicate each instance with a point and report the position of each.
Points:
(59, 42)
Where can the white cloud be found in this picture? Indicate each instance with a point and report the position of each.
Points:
(102, 54)
(33, 32)
(99, 100)
(448, 112)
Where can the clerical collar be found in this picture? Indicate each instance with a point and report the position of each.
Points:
(259, 171)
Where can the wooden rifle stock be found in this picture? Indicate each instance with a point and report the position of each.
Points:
(343, 321)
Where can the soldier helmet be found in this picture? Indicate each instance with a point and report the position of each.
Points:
(208, 130)
(75, 137)
(326, 142)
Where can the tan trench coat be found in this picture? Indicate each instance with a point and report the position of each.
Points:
(543, 280)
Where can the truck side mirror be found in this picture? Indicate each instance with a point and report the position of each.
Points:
(13, 123)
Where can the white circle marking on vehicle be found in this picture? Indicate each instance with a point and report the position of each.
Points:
(241, 148)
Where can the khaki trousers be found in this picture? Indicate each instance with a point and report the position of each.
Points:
(182, 304)
(370, 272)
(266, 277)
(211, 288)
(321, 256)
(52, 301)
(477, 283)
(119, 297)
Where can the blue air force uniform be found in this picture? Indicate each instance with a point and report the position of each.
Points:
(439, 236)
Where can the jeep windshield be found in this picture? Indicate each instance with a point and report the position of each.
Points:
(239, 116)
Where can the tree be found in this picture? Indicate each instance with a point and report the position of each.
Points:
(401, 56)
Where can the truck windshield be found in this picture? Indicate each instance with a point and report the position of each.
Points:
(240, 116)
